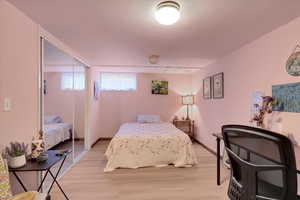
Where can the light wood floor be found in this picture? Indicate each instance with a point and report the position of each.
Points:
(86, 180)
(78, 150)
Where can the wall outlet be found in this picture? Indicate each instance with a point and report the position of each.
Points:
(7, 104)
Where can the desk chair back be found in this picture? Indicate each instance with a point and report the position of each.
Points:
(263, 164)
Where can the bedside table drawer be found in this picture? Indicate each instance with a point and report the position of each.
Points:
(185, 129)
(186, 126)
(182, 123)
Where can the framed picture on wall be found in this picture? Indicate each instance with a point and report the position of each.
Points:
(207, 88)
(218, 86)
(160, 87)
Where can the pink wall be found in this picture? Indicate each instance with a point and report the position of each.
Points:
(255, 67)
(117, 107)
(64, 102)
(19, 72)
(19, 62)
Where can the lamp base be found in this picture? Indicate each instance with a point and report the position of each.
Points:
(187, 118)
(187, 113)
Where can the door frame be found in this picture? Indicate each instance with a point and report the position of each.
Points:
(44, 35)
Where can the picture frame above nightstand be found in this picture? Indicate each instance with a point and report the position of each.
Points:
(207, 88)
(213, 86)
(218, 86)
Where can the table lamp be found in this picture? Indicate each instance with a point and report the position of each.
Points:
(188, 100)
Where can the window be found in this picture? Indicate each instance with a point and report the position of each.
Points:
(70, 81)
(118, 81)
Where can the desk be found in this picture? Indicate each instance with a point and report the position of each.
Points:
(34, 166)
(219, 137)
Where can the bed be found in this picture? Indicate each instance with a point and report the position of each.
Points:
(149, 144)
(55, 131)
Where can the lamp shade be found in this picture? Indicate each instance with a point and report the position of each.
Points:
(188, 100)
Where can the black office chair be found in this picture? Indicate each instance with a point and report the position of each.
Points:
(263, 165)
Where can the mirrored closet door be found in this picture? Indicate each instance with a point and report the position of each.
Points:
(79, 97)
(63, 99)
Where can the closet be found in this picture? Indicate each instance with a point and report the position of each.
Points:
(63, 102)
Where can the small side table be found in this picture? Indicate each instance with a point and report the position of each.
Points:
(187, 126)
(34, 166)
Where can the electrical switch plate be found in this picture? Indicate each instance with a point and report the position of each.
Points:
(7, 104)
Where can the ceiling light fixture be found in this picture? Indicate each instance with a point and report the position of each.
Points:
(153, 59)
(167, 12)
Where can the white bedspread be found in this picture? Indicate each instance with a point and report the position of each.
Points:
(56, 133)
(154, 144)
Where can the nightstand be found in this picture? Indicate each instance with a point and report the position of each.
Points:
(187, 126)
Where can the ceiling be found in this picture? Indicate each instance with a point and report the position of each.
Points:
(56, 60)
(54, 57)
(124, 32)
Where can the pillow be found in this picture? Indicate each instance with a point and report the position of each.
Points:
(5, 192)
(29, 196)
(52, 119)
(148, 119)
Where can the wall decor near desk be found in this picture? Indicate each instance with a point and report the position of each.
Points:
(293, 63)
(218, 86)
(289, 97)
(207, 88)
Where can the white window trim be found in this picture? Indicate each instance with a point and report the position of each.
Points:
(115, 79)
(69, 85)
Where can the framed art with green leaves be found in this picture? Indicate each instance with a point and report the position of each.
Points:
(160, 87)
(207, 88)
(218, 86)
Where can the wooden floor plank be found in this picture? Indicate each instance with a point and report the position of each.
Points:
(87, 181)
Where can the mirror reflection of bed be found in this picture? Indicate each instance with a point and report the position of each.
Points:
(56, 131)
(58, 135)
(63, 105)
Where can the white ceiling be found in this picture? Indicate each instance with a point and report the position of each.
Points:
(55, 57)
(56, 60)
(125, 33)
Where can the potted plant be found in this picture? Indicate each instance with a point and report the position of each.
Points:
(269, 103)
(16, 154)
